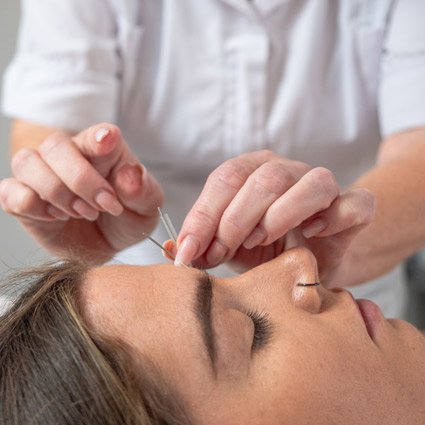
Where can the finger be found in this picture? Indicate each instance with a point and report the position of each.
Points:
(314, 192)
(103, 146)
(221, 187)
(354, 208)
(138, 190)
(20, 200)
(201, 223)
(202, 220)
(170, 246)
(263, 187)
(77, 174)
(32, 171)
(141, 195)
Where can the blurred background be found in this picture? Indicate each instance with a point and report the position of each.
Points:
(17, 249)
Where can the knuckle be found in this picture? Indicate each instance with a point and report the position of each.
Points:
(79, 177)
(203, 217)
(254, 159)
(230, 174)
(264, 155)
(301, 167)
(274, 177)
(51, 143)
(54, 194)
(26, 201)
(325, 180)
(232, 223)
(21, 158)
(267, 154)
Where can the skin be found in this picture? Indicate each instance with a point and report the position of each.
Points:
(59, 207)
(320, 365)
(57, 179)
(211, 232)
(397, 181)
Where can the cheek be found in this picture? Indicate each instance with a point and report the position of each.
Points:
(407, 347)
(315, 379)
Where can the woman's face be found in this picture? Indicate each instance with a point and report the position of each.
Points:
(310, 358)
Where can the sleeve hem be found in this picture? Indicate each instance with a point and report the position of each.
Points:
(402, 100)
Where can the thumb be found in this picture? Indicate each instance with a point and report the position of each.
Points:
(103, 146)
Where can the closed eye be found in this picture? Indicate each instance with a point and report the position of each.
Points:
(263, 329)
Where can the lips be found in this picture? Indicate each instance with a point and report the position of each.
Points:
(371, 315)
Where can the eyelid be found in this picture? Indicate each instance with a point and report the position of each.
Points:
(263, 326)
(263, 329)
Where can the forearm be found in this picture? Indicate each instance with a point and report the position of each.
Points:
(398, 230)
(28, 135)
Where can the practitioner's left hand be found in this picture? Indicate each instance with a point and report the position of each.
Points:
(255, 206)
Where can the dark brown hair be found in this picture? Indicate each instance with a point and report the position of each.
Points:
(55, 370)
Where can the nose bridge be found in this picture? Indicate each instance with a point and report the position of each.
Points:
(274, 278)
(297, 265)
(304, 264)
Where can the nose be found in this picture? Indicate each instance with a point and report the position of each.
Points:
(301, 263)
(278, 281)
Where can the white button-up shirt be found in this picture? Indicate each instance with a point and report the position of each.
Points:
(192, 83)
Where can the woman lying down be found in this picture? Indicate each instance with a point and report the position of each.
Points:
(171, 345)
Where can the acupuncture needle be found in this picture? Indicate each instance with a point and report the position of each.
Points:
(168, 226)
(158, 244)
(171, 233)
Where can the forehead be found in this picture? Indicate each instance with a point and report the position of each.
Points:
(136, 302)
(108, 284)
(151, 309)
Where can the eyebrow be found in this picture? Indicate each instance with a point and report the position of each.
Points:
(202, 307)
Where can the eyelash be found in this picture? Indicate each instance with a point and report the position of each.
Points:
(263, 329)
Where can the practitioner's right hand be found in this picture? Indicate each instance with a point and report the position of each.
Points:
(85, 196)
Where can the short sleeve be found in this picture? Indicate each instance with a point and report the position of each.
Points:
(402, 84)
(66, 70)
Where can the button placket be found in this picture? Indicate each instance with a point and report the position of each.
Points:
(229, 101)
(246, 60)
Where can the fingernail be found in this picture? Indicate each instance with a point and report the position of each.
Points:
(216, 253)
(186, 251)
(85, 210)
(101, 134)
(257, 236)
(315, 227)
(109, 203)
(57, 213)
(170, 246)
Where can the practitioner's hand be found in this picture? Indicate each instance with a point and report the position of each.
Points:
(249, 204)
(347, 215)
(86, 196)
